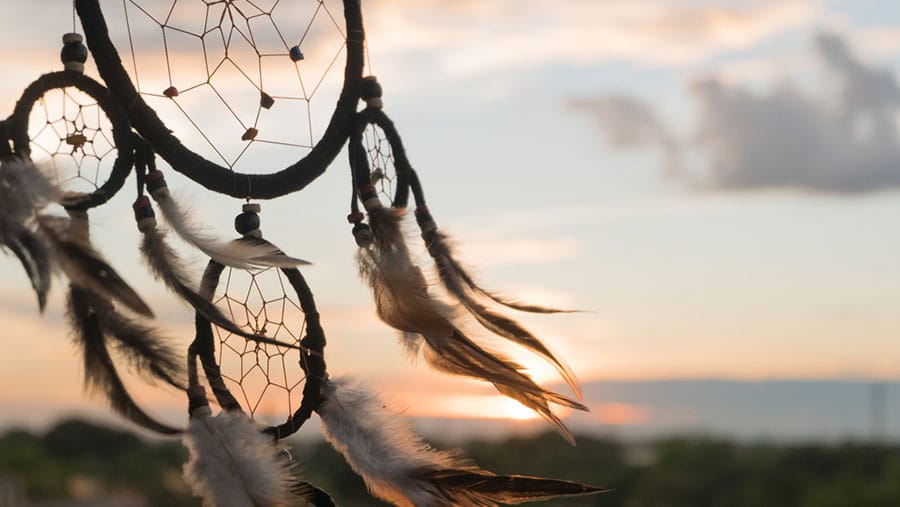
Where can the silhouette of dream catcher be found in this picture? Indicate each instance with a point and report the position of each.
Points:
(250, 83)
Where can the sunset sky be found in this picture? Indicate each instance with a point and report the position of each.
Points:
(715, 183)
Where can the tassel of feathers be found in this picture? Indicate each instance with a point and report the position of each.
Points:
(463, 288)
(399, 467)
(232, 463)
(94, 320)
(243, 254)
(402, 301)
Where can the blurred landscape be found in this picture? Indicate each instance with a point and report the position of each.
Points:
(654, 443)
(77, 463)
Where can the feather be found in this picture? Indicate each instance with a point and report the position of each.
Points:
(35, 258)
(455, 277)
(84, 266)
(402, 301)
(166, 266)
(144, 349)
(459, 284)
(237, 253)
(461, 356)
(99, 370)
(401, 468)
(232, 464)
(24, 190)
(477, 486)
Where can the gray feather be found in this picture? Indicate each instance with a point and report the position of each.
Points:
(238, 253)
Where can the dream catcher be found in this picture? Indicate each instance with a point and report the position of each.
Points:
(243, 77)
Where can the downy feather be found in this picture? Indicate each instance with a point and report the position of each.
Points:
(84, 266)
(166, 266)
(99, 371)
(232, 463)
(399, 467)
(237, 253)
(402, 301)
(24, 190)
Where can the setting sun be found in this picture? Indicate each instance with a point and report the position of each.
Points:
(475, 407)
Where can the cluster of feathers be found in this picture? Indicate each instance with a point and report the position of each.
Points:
(103, 310)
(404, 302)
(233, 463)
(401, 468)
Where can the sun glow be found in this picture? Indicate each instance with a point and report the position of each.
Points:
(476, 407)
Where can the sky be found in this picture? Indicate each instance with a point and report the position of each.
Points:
(714, 183)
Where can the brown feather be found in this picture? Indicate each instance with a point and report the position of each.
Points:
(85, 267)
(141, 345)
(457, 279)
(35, 258)
(402, 301)
(460, 285)
(474, 487)
(99, 370)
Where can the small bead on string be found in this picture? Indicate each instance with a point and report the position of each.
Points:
(74, 53)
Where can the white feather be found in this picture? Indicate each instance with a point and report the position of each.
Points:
(381, 446)
(238, 254)
(232, 464)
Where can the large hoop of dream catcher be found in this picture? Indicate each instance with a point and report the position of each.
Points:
(209, 174)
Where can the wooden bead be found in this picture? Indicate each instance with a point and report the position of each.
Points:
(371, 92)
(246, 222)
(265, 100)
(249, 134)
(74, 53)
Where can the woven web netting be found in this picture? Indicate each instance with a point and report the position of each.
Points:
(242, 82)
(266, 379)
(72, 137)
(250, 85)
(381, 162)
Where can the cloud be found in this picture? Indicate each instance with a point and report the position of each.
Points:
(628, 123)
(466, 36)
(844, 142)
